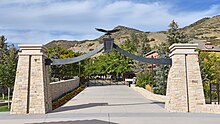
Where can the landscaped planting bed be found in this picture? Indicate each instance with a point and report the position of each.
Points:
(64, 99)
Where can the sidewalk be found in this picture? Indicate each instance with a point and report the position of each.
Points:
(114, 104)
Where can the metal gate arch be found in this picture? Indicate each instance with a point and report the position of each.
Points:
(108, 45)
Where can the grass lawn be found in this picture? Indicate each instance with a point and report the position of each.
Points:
(4, 108)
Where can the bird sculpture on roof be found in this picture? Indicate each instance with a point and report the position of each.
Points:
(108, 41)
(107, 32)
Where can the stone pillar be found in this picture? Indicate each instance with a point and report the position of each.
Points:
(184, 85)
(31, 93)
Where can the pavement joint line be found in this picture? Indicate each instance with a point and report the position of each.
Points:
(109, 121)
(45, 118)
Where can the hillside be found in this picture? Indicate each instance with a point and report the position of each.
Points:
(205, 29)
(63, 43)
(119, 37)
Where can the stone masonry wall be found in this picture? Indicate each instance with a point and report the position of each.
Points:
(184, 85)
(20, 87)
(149, 95)
(62, 87)
(195, 87)
(31, 94)
(176, 86)
(39, 93)
(208, 108)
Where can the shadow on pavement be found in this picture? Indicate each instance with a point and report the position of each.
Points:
(130, 104)
(161, 104)
(89, 105)
(77, 122)
(75, 107)
(104, 83)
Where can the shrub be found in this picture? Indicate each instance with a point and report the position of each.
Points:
(144, 78)
(64, 99)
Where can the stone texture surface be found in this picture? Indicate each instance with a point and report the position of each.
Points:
(195, 87)
(31, 94)
(176, 86)
(19, 100)
(184, 86)
(62, 87)
(208, 108)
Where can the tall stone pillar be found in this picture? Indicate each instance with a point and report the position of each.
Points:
(184, 85)
(31, 93)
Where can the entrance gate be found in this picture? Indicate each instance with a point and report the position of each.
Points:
(32, 90)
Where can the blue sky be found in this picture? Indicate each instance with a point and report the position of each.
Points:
(40, 21)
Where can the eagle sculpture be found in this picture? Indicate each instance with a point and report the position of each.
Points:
(107, 32)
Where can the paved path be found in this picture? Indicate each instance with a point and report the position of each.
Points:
(111, 105)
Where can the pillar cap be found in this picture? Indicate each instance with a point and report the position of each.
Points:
(182, 49)
(32, 48)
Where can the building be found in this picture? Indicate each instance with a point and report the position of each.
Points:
(152, 54)
(205, 46)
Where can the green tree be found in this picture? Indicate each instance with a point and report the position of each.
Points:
(62, 72)
(210, 69)
(8, 63)
(142, 49)
(176, 35)
(9, 66)
(131, 44)
(116, 64)
(139, 44)
(108, 64)
(161, 71)
(144, 78)
(144, 46)
(3, 48)
(113, 63)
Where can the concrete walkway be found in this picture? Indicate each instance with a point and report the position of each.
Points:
(116, 104)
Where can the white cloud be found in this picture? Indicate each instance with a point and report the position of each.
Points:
(34, 21)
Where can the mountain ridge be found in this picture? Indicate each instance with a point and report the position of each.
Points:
(207, 28)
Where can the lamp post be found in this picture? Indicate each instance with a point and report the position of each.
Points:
(79, 71)
(163, 55)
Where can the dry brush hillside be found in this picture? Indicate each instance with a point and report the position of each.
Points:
(206, 28)
(119, 37)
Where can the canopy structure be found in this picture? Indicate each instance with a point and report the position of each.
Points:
(76, 59)
(158, 61)
(108, 45)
